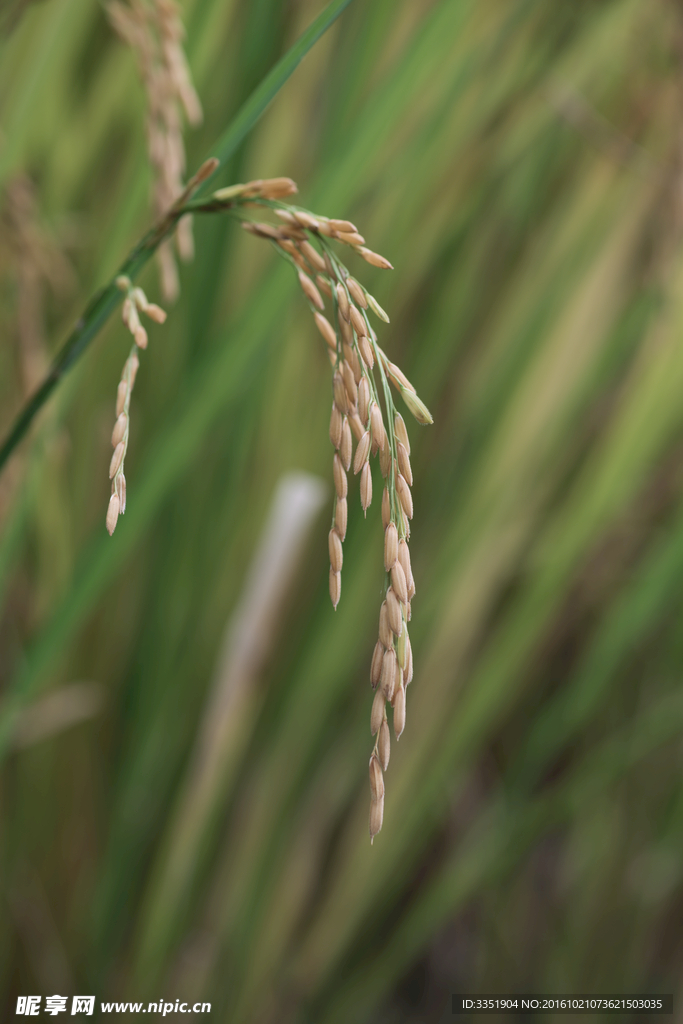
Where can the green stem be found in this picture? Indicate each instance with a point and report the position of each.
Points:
(102, 305)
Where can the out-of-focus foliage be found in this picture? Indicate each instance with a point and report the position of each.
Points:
(520, 163)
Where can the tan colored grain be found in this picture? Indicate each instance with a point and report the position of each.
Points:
(376, 817)
(131, 368)
(379, 436)
(262, 229)
(326, 329)
(401, 431)
(119, 429)
(341, 399)
(376, 778)
(384, 744)
(341, 517)
(140, 335)
(307, 220)
(346, 447)
(290, 248)
(324, 285)
(394, 612)
(340, 482)
(313, 256)
(341, 225)
(116, 459)
(377, 713)
(408, 670)
(128, 310)
(404, 559)
(376, 663)
(351, 356)
(386, 507)
(357, 293)
(311, 293)
(357, 426)
(350, 238)
(155, 313)
(366, 487)
(388, 678)
(284, 215)
(399, 712)
(398, 582)
(404, 495)
(386, 636)
(343, 301)
(358, 322)
(404, 463)
(336, 420)
(120, 488)
(336, 551)
(398, 378)
(335, 587)
(345, 329)
(278, 188)
(390, 547)
(113, 514)
(366, 352)
(362, 452)
(374, 258)
(350, 383)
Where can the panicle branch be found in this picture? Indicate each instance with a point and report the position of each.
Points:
(362, 408)
(135, 302)
(154, 31)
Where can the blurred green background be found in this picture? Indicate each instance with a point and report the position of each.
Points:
(184, 799)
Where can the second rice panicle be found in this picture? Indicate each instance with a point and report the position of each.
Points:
(135, 302)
